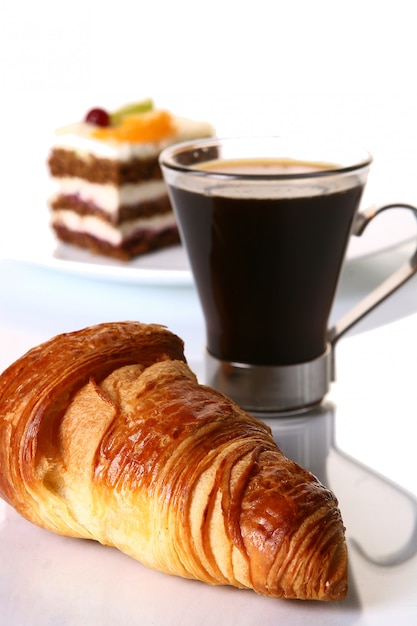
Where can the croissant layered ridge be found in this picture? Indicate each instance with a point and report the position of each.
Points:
(106, 434)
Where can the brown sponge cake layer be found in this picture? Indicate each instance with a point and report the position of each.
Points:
(63, 163)
(145, 209)
(141, 242)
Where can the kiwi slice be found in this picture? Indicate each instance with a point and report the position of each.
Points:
(116, 117)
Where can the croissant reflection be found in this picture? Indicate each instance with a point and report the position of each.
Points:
(106, 434)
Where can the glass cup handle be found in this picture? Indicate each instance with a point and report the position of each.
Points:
(387, 287)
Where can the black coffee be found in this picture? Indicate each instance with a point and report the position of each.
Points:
(266, 269)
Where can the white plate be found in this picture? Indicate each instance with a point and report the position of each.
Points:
(168, 266)
(38, 246)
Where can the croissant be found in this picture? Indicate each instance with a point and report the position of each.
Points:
(106, 434)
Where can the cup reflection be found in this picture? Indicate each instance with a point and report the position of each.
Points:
(380, 516)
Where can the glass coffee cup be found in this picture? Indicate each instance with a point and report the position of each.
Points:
(266, 223)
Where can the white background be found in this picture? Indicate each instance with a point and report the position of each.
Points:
(326, 67)
(248, 66)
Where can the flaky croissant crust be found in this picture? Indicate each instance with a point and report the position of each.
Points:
(106, 434)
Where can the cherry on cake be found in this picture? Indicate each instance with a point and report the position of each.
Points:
(110, 195)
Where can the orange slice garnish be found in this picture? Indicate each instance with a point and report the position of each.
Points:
(142, 127)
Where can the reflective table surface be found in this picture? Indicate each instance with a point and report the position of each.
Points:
(360, 442)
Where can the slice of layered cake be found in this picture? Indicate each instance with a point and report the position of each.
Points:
(110, 196)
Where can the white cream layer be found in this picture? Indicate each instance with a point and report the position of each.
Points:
(109, 197)
(95, 227)
(79, 137)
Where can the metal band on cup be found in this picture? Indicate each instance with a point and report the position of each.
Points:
(270, 388)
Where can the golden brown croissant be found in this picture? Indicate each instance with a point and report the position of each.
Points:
(106, 434)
